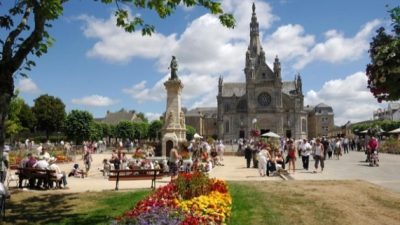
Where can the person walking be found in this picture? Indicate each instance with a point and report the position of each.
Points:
(174, 158)
(247, 155)
(87, 160)
(291, 155)
(318, 155)
(305, 149)
(263, 157)
(325, 143)
(255, 151)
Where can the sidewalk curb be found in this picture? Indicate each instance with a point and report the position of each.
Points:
(286, 177)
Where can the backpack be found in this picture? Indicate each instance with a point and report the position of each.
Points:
(373, 144)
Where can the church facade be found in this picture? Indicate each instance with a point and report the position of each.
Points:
(263, 101)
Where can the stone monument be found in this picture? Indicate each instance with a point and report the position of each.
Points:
(174, 130)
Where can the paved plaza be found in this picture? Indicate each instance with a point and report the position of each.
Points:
(350, 167)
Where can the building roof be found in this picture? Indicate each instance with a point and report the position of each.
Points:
(323, 109)
(288, 87)
(322, 105)
(309, 108)
(394, 105)
(121, 115)
(207, 112)
(230, 89)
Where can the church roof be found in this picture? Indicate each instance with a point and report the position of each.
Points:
(230, 89)
(288, 87)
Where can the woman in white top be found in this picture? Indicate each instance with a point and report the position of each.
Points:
(263, 157)
(318, 154)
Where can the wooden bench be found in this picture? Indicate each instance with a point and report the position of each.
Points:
(48, 176)
(135, 174)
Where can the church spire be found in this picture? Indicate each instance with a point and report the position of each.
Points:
(277, 67)
(255, 45)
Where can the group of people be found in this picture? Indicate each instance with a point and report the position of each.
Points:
(268, 158)
(264, 157)
(44, 162)
(200, 155)
(120, 161)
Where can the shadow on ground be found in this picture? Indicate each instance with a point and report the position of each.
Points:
(46, 208)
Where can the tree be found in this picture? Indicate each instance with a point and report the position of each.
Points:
(190, 131)
(22, 39)
(27, 117)
(125, 130)
(108, 131)
(96, 131)
(154, 131)
(384, 70)
(13, 124)
(78, 125)
(50, 113)
(142, 117)
(141, 130)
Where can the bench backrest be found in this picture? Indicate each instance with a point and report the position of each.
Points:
(135, 170)
(28, 170)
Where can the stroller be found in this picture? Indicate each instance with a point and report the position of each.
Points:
(373, 158)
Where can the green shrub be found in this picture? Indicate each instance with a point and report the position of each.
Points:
(391, 145)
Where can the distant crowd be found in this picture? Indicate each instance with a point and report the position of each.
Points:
(271, 156)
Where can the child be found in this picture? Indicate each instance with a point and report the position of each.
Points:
(76, 172)
(214, 157)
(106, 167)
(87, 159)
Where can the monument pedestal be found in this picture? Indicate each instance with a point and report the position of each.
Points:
(174, 130)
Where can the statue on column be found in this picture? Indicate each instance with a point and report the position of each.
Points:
(174, 68)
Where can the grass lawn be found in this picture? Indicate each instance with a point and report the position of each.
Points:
(290, 202)
(75, 208)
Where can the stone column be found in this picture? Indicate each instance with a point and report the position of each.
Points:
(174, 129)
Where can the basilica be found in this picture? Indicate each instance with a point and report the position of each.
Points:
(264, 102)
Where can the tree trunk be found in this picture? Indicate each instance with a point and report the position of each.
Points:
(6, 92)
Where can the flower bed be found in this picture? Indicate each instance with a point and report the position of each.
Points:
(191, 199)
(15, 157)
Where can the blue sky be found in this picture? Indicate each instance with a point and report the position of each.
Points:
(97, 67)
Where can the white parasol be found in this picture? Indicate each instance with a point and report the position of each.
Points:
(270, 134)
(197, 136)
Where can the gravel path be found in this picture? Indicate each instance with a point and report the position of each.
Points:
(349, 167)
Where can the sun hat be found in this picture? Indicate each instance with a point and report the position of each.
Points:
(52, 160)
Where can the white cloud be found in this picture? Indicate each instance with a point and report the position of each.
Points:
(195, 86)
(205, 47)
(205, 50)
(141, 93)
(349, 98)
(289, 42)
(152, 116)
(116, 45)
(338, 48)
(26, 85)
(95, 100)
